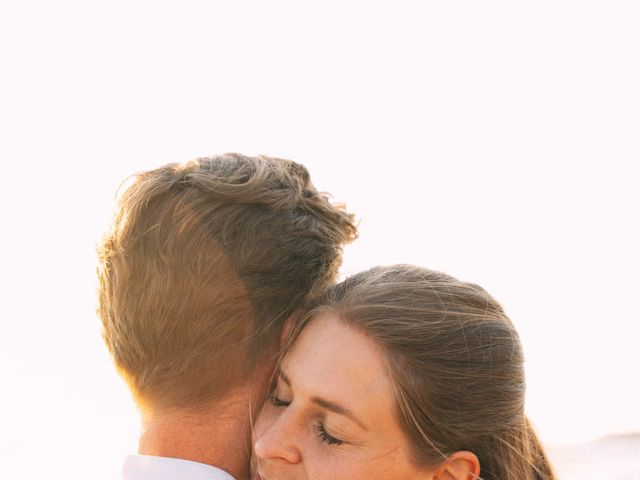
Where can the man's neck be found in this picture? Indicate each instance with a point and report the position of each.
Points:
(219, 436)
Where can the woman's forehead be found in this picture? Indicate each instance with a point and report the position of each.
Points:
(331, 358)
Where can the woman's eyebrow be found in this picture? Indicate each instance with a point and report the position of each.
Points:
(339, 409)
(324, 403)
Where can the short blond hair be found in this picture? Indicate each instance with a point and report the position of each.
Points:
(202, 265)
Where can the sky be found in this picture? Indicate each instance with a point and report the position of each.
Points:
(495, 141)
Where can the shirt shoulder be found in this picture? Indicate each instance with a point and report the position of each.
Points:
(147, 467)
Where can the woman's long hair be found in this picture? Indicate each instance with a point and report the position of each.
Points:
(456, 362)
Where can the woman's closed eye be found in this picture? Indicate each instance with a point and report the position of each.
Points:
(326, 437)
(278, 402)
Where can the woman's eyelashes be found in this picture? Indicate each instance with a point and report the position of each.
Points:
(279, 402)
(325, 437)
(322, 432)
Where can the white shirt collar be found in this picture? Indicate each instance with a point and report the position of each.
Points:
(146, 467)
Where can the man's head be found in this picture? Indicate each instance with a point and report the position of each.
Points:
(204, 263)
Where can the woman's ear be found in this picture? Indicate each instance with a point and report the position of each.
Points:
(460, 465)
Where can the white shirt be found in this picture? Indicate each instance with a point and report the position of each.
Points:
(146, 467)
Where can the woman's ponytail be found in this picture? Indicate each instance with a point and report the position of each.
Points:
(539, 461)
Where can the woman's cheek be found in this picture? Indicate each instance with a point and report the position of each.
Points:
(323, 461)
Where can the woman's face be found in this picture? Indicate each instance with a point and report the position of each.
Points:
(332, 413)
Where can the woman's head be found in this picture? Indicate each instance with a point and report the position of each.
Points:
(431, 364)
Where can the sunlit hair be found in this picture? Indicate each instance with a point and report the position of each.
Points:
(456, 363)
(202, 265)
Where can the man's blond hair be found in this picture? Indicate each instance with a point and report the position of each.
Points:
(202, 265)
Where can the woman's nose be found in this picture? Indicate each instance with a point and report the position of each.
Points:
(278, 440)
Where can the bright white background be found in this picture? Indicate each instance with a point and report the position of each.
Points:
(497, 141)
